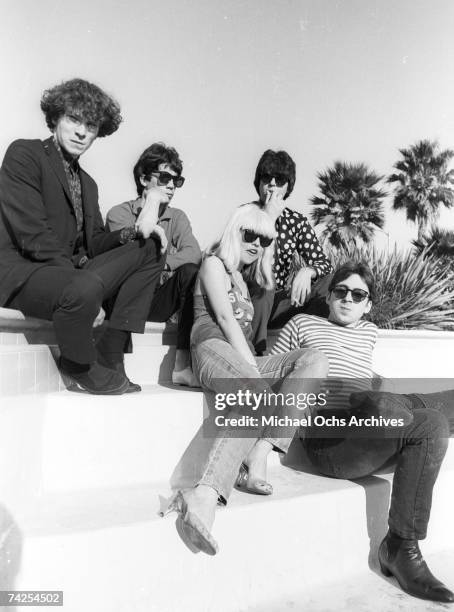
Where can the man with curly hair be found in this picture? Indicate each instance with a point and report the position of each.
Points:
(57, 262)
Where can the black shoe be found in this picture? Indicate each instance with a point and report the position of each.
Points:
(132, 387)
(98, 380)
(403, 560)
(120, 368)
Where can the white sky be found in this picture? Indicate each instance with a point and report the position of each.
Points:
(224, 80)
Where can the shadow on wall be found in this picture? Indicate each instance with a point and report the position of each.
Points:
(378, 494)
(377, 491)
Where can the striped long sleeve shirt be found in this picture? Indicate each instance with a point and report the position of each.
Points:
(348, 349)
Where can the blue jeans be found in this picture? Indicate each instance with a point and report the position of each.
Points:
(214, 360)
(418, 451)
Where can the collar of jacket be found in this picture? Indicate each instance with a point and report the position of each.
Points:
(56, 163)
(89, 192)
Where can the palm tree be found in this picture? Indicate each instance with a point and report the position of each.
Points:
(350, 206)
(423, 182)
(439, 242)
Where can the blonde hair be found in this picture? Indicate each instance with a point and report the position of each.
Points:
(228, 248)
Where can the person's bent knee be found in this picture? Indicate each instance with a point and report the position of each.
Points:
(431, 428)
(84, 292)
(430, 423)
(439, 425)
(187, 273)
(148, 247)
(312, 362)
(152, 246)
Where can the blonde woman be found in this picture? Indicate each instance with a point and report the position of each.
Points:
(221, 350)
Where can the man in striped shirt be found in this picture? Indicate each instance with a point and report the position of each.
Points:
(418, 445)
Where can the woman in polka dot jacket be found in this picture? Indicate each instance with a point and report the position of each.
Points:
(300, 265)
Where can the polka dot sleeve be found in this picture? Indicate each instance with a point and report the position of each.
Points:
(308, 246)
(295, 235)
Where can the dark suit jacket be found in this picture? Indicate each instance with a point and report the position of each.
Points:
(37, 220)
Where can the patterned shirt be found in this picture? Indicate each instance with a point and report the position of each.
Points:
(72, 168)
(349, 351)
(295, 235)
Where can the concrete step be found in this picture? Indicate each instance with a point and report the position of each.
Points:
(26, 362)
(30, 368)
(416, 354)
(69, 441)
(84, 478)
(90, 442)
(364, 592)
(108, 551)
(65, 441)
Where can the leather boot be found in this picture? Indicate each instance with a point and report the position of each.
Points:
(403, 560)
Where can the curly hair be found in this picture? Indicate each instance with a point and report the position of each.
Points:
(150, 160)
(85, 100)
(228, 247)
(354, 267)
(276, 162)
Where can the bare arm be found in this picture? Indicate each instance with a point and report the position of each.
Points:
(147, 221)
(214, 279)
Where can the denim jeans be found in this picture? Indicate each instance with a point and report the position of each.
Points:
(215, 359)
(443, 401)
(418, 451)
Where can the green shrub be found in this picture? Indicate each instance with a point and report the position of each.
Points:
(411, 290)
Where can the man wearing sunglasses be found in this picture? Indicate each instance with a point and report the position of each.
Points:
(300, 265)
(157, 174)
(417, 445)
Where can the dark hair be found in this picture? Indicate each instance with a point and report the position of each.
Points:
(84, 99)
(354, 267)
(273, 162)
(154, 155)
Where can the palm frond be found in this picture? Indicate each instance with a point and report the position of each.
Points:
(423, 182)
(349, 206)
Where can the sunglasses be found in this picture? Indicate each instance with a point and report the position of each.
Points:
(165, 177)
(341, 292)
(250, 236)
(279, 178)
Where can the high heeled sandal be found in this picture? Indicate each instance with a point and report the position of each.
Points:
(256, 487)
(185, 378)
(191, 526)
